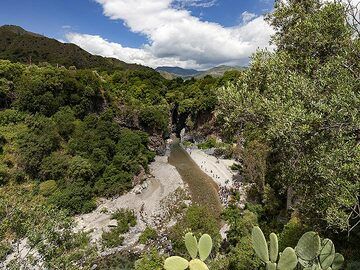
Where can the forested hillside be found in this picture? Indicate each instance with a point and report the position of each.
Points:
(18, 45)
(71, 138)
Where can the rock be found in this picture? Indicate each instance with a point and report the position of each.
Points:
(112, 223)
(157, 144)
(138, 179)
(223, 231)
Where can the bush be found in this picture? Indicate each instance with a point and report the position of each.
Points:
(112, 238)
(198, 220)
(125, 219)
(208, 143)
(11, 116)
(47, 188)
(5, 249)
(148, 234)
(291, 233)
(150, 261)
(75, 197)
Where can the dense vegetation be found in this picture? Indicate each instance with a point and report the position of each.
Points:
(291, 120)
(18, 45)
(69, 136)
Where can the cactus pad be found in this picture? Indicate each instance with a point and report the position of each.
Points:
(288, 259)
(271, 266)
(338, 261)
(197, 265)
(176, 263)
(274, 247)
(327, 253)
(259, 244)
(191, 245)
(205, 246)
(308, 247)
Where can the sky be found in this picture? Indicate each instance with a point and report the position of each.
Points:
(187, 33)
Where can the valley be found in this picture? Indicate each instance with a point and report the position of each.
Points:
(106, 164)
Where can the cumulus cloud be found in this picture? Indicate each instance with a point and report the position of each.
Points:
(176, 37)
(247, 16)
(194, 3)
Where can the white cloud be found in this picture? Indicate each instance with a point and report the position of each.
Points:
(66, 27)
(175, 37)
(247, 16)
(194, 3)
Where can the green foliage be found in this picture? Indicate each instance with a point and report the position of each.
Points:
(302, 101)
(37, 143)
(125, 219)
(203, 247)
(11, 116)
(150, 261)
(209, 143)
(49, 231)
(154, 118)
(47, 188)
(291, 233)
(148, 234)
(196, 220)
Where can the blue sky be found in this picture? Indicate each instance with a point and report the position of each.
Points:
(105, 27)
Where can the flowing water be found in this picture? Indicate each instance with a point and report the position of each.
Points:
(203, 190)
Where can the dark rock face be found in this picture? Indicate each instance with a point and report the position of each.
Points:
(157, 144)
(139, 178)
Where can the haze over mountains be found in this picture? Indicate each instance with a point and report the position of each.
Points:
(175, 72)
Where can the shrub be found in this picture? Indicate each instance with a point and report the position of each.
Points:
(75, 197)
(208, 143)
(48, 187)
(112, 238)
(148, 234)
(125, 219)
(291, 233)
(197, 219)
(150, 261)
(11, 116)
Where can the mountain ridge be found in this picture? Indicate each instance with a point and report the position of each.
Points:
(20, 45)
(177, 72)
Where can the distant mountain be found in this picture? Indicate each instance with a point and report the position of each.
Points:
(19, 45)
(217, 71)
(178, 71)
(175, 72)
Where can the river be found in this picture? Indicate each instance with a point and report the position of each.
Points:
(203, 190)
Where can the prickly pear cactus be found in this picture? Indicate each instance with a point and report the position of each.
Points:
(338, 262)
(259, 244)
(197, 265)
(271, 266)
(288, 259)
(176, 263)
(191, 245)
(327, 253)
(308, 247)
(273, 247)
(205, 246)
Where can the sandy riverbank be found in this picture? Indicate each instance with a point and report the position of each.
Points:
(218, 169)
(147, 205)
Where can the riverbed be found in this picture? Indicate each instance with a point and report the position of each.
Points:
(203, 190)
